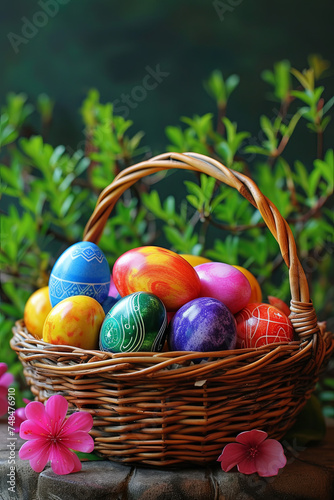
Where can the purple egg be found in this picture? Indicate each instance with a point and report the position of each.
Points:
(203, 324)
(225, 283)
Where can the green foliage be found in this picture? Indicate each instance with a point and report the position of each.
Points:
(280, 79)
(108, 146)
(219, 88)
(48, 192)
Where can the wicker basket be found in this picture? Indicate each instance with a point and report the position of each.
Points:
(161, 409)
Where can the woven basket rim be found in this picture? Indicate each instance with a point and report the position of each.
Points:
(135, 365)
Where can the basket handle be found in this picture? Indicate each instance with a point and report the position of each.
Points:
(303, 316)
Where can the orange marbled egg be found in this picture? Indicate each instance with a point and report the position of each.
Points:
(159, 271)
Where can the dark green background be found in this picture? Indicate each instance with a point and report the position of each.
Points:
(108, 44)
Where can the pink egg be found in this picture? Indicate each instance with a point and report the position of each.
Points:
(225, 283)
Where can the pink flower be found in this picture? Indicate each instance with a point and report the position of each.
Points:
(253, 452)
(51, 436)
(20, 416)
(5, 380)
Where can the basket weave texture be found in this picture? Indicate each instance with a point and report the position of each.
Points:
(161, 409)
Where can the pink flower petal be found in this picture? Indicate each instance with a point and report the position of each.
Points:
(4, 392)
(56, 408)
(6, 379)
(39, 461)
(62, 459)
(251, 438)
(79, 441)
(3, 368)
(270, 458)
(247, 466)
(29, 429)
(3, 402)
(3, 409)
(79, 421)
(30, 449)
(77, 463)
(20, 416)
(35, 411)
(232, 454)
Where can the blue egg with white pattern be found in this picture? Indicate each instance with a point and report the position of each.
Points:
(137, 322)
(81, 270)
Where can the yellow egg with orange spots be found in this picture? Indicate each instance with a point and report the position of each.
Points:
(256, 295)
(195, 260)
(36, 310)
(75, 321)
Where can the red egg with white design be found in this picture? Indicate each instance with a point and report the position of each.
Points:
(159, 271)
(262, 324)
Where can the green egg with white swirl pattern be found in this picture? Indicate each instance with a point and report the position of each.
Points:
(136, 322)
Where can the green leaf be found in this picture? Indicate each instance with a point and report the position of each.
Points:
(279, 79)
(328, 105)
(293, 122)
(88, 457)
(57, 153)
(257, 150)
(231, 84)
(329, 382)
(215, 86)
(195, 190)
(182, 242)
(324, 122)
(282, 79)
(268, 76)
(17, 109)
(8, 134)
(303, 96)
(326, 168)
(305, 78)
(175, 135)
(193, 200)
(267, 128)
(302, 177)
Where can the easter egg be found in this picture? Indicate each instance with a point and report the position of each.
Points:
(136, 323)
(36, 310)
(225, 283)
(256, 293)
(194, 260)
(261, 324)
(203, 324)
(81, 270)
(282, 306)
(75, 321)
(159, 271)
